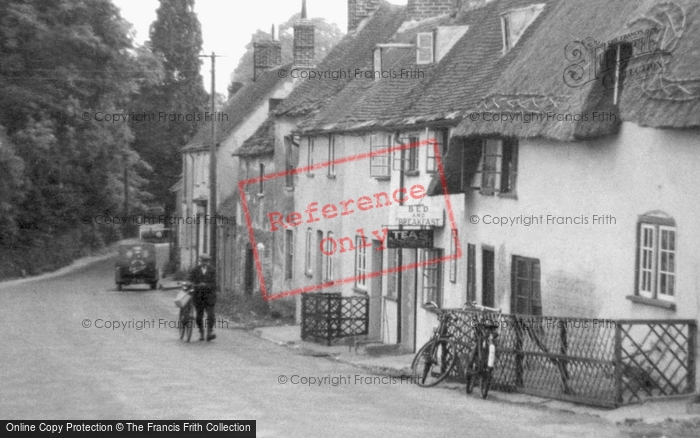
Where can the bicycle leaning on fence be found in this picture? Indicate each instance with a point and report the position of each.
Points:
(187, 318)
(436, 359)
(482, 358)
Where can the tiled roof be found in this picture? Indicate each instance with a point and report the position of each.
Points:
(238, 108)
(444, 92)
(354, 51)
(262, 142)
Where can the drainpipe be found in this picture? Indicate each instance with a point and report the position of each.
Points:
(399, 294)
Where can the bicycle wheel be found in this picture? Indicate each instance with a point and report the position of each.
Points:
(433, 362)
(472, 371)
(485, 381)
(190, 322)
(182, 323)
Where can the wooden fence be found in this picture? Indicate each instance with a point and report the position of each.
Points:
(330, 316)
(599, 362)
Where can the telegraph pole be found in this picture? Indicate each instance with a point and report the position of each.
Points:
(212, 162)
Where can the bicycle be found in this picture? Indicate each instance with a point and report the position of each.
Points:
(482, 358)
(186, 319)
(436, 359)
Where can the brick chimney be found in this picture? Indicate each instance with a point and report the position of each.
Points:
(266, 55)
(358, 10)
(422, 9)
(304, 41)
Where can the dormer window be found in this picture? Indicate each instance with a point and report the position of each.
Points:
(426, 48)
(515, 22)
(377, 61)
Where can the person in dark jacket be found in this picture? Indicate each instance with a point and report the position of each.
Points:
(203, 278)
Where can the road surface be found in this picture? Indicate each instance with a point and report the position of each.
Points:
(53, 367)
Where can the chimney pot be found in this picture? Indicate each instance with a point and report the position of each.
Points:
(304, 41)
(266, 55)
(423, 9)
(358, 10)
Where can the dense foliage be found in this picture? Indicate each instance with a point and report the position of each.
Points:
(64, 64)
(176, 38)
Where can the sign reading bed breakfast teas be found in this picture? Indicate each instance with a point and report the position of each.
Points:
(420, 216)
(410, 238)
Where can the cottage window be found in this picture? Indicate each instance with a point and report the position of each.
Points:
(657, 259)
(307, 254)
(499, 166)
(377, 62)
(454, 242)
(360, 263)
(331, 156)
(289, 254)
(426, 48)
(329, 258)
(525, 290)
(432, 276)
(261, 187)
(406, 160)
(507, 33)
(379, 161)
(246, 164)
(310, 156)
(441, 137)
(515, 22)
(289, 176)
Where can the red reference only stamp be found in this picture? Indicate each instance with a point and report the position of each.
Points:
(348, 210)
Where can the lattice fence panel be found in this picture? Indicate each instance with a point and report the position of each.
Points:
(657, 359)
(330, 316)
(599, 362)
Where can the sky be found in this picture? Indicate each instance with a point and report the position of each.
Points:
(227, 25)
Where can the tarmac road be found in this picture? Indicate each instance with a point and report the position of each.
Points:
(54, 368)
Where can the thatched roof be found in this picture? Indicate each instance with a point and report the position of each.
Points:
(667, 95)
(443, 92)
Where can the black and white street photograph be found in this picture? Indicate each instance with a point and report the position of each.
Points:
(350, 218)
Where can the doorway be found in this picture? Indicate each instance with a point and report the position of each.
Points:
(249, 275)
(488, 277)
(375, 292)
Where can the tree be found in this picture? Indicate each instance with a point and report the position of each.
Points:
(327, 36)
(11, 189)
(62, 63)
(176, 40)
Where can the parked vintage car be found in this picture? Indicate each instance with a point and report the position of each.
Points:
(136, 264)
(154, 233)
